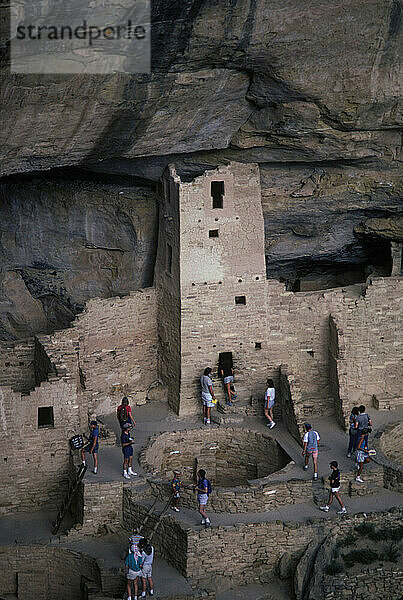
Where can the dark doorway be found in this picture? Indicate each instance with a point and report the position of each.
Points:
(217, 194)
(225, 363)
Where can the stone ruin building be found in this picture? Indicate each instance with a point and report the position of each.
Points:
(327, 350)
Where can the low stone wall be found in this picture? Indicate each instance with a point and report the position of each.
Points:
(98, 508)
(44, 572)
(373, 584)
(263, 495)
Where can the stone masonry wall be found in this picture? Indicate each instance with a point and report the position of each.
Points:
(102, 507)
(253, 553)
(118, 349)
(44, 573)
(376, 584)
(17, 365)
(231, 456)
(170, 540)
(369, 355)
(35, 461)
(221, 265)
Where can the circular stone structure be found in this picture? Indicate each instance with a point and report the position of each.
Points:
(246, 468)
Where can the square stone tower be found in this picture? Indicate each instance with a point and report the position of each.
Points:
(211, 281)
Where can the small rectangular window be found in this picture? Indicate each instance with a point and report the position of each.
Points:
(169, 258)
(258, 345)
(240, 299)
(217, 194)
(213, 233)
(45, 417)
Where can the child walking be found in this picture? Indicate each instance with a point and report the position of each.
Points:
(334, 479)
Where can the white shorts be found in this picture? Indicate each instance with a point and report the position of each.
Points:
(229, 379)
(207, 399)
(132, 575)
(202, 499)
(335, 489)
(147, 571)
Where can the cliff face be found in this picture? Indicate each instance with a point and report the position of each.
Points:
(64, 242)
(309, 90)
(292, 80)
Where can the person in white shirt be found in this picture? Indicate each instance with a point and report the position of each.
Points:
(311, 448)
(269, 402)
(147, 553)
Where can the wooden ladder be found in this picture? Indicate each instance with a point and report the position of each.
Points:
(73, 487)
(140, 529)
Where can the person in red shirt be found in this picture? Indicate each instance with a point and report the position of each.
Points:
(124, 413)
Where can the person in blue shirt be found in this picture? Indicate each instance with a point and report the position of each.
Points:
(92, 446)
(202, 489)
(127, 448)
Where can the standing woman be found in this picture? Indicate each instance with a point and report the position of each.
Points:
(208, 396)
(353, 431)
(269, 402)
(362, 453)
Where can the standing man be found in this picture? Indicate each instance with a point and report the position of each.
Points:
(208, 396)
(364, 422)
(127, 449)
(92, 446)
(311, 448)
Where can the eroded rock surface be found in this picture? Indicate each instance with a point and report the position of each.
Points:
(297, 81)
(64, 242)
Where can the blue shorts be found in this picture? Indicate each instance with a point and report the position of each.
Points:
(88, 447)
(229, 379)
(127, 451)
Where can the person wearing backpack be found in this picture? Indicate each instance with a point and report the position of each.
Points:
(311, 448)
(124, 413)
(133, 562)
(203, 490)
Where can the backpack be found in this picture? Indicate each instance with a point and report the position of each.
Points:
(312, 440)
(209, 488)
(122, 414)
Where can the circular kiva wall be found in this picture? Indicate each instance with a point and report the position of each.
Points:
(241, 465)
